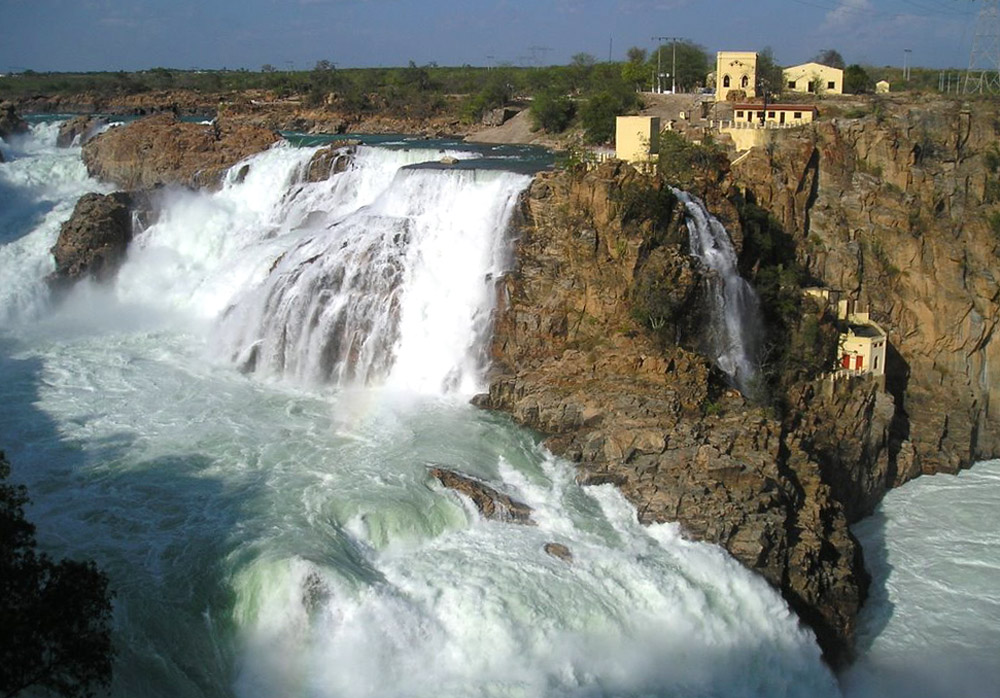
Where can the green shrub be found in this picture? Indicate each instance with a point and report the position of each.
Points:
(681, 162)
(552, 112)
(598, 113)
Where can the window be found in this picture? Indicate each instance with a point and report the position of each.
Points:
(875, 363)
(725, 81)
(798, 115)
(831, 85)
(739, 115)
(770, 115)
(791, 84)
(744, 81)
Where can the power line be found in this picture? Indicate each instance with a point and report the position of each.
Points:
(984, 60)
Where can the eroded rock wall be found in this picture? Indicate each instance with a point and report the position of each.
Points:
(894, 208)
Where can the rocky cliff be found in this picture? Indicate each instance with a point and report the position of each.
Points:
(572, 360)
(897, 208)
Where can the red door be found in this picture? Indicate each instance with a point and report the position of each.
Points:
(846, 361)
(858, 360)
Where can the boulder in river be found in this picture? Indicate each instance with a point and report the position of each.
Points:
(490, 503)
(93, 241)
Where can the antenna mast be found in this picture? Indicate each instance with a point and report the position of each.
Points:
(984, 61)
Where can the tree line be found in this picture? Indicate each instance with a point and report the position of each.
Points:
(586, 92)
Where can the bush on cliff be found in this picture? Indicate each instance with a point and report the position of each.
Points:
(801, 338)
(55, 616)
(682, 163)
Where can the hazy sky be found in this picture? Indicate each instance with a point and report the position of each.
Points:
(137, 34)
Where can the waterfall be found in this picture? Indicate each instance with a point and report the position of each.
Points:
(269, 539)
(397, 292)
(381, 275)
(733, 337)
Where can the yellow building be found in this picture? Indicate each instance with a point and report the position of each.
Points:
(735, 70)
(637, 138)
(814, 78)
(762, 115)
(882, 87)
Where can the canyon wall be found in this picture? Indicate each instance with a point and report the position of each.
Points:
(898, 209)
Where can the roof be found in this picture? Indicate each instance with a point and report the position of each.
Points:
(776, 107)
(812, 65)
(869, 331)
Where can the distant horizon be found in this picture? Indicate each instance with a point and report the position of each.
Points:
(136, 35)
(306, 69)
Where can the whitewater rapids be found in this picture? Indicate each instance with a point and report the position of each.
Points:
(239, 430)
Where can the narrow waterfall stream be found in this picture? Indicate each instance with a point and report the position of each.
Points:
(733, 336)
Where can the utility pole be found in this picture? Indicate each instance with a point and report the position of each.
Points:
(906, 67)
(659, 71)
(673, 68)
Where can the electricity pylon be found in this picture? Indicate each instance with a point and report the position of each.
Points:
(984, 62)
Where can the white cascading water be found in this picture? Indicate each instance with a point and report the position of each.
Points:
(733, 336)
(283, 536)
(398, 292)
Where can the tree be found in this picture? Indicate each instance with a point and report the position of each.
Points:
(770, 78)
(495, 93)
(856, 80)
(581, 66)
(692, 65)
(599, 111)
(55, 616)
(830, 57)
(636, 55)
(268, 68)
(636, 75)
(551, 111)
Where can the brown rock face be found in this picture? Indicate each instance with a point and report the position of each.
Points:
(898, 209)
(93, 241)
(160, 150)
(85, 127)
(575, 360)
(11, 122)
(491, 504)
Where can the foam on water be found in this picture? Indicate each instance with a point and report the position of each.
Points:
(932, 625)
(39, 185)
(285, 538)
